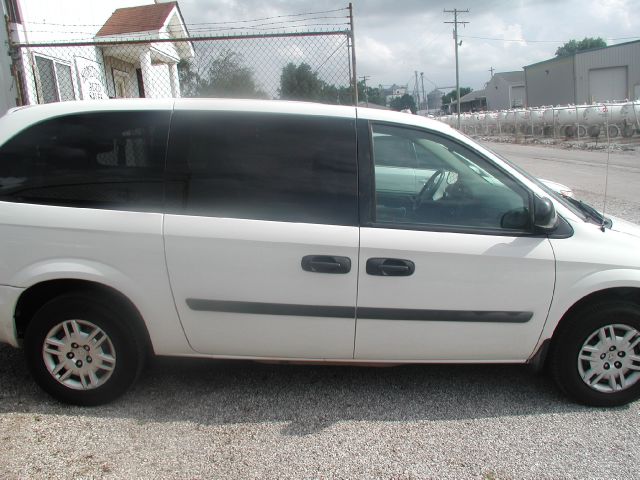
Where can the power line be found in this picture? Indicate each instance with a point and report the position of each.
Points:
(455, 22)
(146, 34)
(205, 23)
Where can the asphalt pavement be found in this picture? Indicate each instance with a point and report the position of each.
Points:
(588, 173)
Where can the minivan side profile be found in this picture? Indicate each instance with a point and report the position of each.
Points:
(271, 230)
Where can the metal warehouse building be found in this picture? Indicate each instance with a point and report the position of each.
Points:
(599, 75)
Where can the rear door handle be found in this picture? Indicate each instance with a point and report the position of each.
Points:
(326, 264)
(390, 267)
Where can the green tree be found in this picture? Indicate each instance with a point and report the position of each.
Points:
(301, 83)
(403, 102)
(370, 94)
(336, 95)
(452, 96)
(574, 46)
(226, 76)
(189, 79)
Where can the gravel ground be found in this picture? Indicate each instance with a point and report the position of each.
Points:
(585, 173)
(204, 419)
(197, 419)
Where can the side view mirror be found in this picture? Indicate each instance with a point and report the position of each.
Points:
(516, 219)
(545, 217)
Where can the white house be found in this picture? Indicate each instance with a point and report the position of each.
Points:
(46, 73)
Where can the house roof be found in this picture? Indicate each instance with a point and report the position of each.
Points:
(511, 77)
(471, 96)
(137, 19)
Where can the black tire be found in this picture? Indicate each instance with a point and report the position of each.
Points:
(594, 131)
(569, 340)
(128, 349)
(627, 131)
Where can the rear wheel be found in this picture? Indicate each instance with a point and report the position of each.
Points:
(82, 351)
(595, 357)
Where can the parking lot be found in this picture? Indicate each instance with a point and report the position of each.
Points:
(202, 419)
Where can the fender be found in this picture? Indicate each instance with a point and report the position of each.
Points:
(154, 302)
(570, 291)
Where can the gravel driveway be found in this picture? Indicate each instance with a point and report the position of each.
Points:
(203, 419)
(206, 419)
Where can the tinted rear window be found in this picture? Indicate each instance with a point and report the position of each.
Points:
(264, 166)
(94, 160)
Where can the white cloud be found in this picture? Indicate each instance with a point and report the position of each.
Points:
(393, 39)
(613, 12)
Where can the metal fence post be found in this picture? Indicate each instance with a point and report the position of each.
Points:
(205, 67)
(353, 56)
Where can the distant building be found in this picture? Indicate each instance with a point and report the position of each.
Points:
(394, 91)
(372, 105)
(475, 101)
(434, 100)
(598, 75)
(505, 90)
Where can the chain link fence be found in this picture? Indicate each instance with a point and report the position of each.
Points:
(314, 66)
(586, 126)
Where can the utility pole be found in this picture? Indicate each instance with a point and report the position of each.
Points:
(366, 94)
(492, 70)
(424, 97)
(455, 22)
(417, 91)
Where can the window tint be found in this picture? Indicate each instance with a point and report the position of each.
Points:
(444, 184)
(264, 166)
(94, 160)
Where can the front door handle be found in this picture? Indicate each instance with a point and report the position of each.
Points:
(390, 267)
(326, 264)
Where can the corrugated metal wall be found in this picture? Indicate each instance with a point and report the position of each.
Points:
(550, 82)
(617, 56)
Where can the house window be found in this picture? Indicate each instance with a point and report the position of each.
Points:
(120, 83)
(140, 82)
(13, 11)
(55, 80)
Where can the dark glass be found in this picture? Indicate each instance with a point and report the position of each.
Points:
(112, 160)
(290, 168)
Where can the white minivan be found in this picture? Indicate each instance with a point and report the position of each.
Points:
(271, 230)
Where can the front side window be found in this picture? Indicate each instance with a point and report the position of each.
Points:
(54, 80)
(111, 160)
(289, 168)
(428, 180)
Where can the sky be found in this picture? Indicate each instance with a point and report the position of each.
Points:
(395, 38)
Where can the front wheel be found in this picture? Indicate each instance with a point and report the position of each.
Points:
(82, 351)
(595, 358)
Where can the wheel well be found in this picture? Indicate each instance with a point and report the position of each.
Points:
(33, 298)
(629, 294)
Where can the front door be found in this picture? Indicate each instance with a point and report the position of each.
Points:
(450, 272)
(262, 238)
